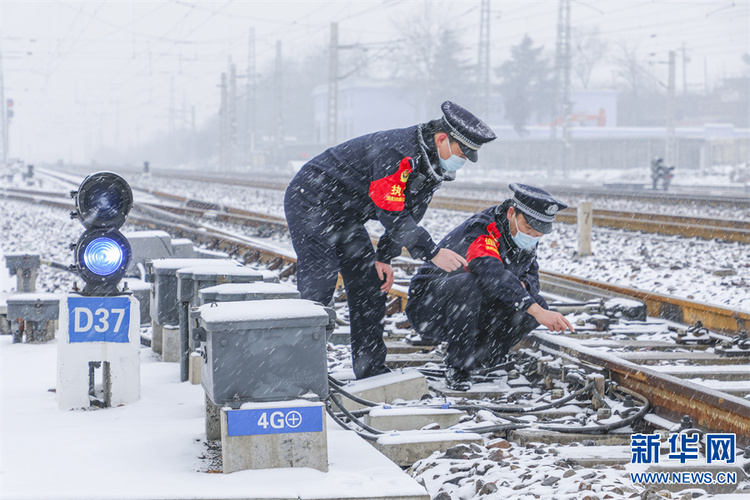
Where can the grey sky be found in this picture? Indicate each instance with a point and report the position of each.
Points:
(83, 74)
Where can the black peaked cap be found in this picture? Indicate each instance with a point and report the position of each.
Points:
(538, 206)
(467, 129)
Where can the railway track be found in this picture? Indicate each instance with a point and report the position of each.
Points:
(152, 215)
(651, 368)
(700, 227)
(739, 197)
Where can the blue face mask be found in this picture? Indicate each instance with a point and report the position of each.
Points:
(453, 163)
(522, 240)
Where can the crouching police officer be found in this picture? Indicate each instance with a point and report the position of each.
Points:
(389, 176)
(484, 309)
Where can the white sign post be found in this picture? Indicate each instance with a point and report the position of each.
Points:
(98, 329)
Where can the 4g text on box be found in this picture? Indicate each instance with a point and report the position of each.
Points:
(274, 421)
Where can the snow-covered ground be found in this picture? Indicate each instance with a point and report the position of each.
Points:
(692, 268)
(735, 177)
(491, 470)
(271, 201)
(708, 271)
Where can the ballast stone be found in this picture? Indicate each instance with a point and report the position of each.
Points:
(406, 448)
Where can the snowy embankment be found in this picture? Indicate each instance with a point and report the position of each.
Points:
(703, 270)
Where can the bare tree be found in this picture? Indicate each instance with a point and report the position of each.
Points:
(639, 88)
(589, 50)
(632, 74)
(431, 56)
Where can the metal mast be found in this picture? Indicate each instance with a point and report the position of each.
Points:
(279, 140)
(232, 116)
(3, 113)
(562, 108)
(483, 60)
(223, 123)
(250, 99)
(333, 85)
(669, 156)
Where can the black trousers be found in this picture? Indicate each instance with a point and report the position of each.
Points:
(479, 332)
(327, 242)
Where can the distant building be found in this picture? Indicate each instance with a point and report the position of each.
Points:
(367, 106)
(597, 140)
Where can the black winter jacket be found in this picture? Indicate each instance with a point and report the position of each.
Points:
(485, 241)
(390, 176)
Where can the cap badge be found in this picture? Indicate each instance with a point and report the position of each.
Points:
(552, 209)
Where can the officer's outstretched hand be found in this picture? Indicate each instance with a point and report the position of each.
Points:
(385, 273)
(448, 260)
(553, 320)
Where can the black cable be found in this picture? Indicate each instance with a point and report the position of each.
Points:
(497, 428)
(351, 417)
(351, 396)
(336, 419)
(549, 406)
(431, 372)
(501, 366)
(595, 394)
(497, 414)
(611, 426)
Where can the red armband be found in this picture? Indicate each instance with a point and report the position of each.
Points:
(388, 193)
(485, 245)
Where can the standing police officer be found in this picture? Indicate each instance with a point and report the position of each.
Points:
(389, 176)
(483, 310)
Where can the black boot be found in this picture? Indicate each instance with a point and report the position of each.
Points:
(458, 379)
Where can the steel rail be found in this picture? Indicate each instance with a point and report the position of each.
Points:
(741, 199)
(677, 225)
(675, 309)
(672, 396)
(673, 225)
(713, 410)
(700, 227)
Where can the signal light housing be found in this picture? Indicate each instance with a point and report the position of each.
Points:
(102, 254)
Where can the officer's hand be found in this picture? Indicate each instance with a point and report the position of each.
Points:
(448, 260)
(553, 320)
(385, 273)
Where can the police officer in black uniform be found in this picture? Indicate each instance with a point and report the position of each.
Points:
(485, 308)
(389, 176)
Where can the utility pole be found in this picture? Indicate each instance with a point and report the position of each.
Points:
(232, 116)
(171, 108)
(685, 60)
(669, 149)
(184, 113)
(563, 106)
(279, 139)
(192, 132)
(4, 112)
(223, 123)
(250, 99)
(483, 60)
(117, 126)
(333, 85)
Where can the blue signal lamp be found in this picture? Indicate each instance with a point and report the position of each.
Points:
(102, 253)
